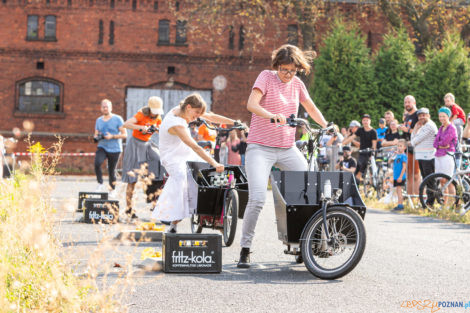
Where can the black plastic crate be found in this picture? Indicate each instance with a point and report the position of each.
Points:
(101, 211)
(82, 196)
(192, 253)
(210, 198)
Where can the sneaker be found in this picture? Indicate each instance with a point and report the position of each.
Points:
(398, 208)
(172, 228)
(244, 261)
(112, 193)
(101, 188)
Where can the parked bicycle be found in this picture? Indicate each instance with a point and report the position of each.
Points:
(370, 175)
(434, 191)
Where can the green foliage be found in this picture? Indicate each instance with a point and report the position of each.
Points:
(445, 70)
(395, 71)
(343, 86)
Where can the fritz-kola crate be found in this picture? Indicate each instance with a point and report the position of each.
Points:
(82, 196)
(104, 211)
(192, 253)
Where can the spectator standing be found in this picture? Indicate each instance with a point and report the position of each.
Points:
(347, 162)
(422, 139)
(466, 132)
(457, 114)
(445, 141)
(353, 127)
(109, 132)
(389, 117)
(365, 137)
(381, 131)
(393, 134)
(410, 120)
(241, 147)
(399, 172)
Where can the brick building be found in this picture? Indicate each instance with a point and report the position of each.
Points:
(61, 57)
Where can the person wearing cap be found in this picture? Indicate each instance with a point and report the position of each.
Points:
(353, 127)
(458, 119)
(445, 142)
(109, 132)
(139, 151)
(366, 138)
(347, 162)
(410, 120)
(381, 131)
(422, 139)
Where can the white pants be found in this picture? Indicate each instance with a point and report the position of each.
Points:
(444, 164)
(259, 161)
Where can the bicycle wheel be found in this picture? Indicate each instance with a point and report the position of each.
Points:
(196, 227)
(367, 182)
(334, 258)
(433, 190)
(230, 216)
(380, 185)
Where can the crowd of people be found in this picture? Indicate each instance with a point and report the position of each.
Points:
(421, 147)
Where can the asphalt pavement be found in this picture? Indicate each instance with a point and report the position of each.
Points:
(407, 258)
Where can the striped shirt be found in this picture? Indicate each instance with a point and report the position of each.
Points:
(278, 98)
(423, 141)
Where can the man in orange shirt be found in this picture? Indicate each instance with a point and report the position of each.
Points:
(139, 150)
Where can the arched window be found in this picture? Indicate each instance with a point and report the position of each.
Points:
(39, 95)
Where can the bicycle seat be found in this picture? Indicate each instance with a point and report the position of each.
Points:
(300, 144)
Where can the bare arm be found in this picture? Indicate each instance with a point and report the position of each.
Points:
(254, 107)
(132, 124)
(349, 139)
(216, 118)
(180, 131)
(314, 113)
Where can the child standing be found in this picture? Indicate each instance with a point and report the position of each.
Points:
(399, 174)
(381, 131)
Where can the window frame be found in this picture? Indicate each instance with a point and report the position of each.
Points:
(46, 37)
(181, 40)
(28, 37)
(162, 42)
(18, 85)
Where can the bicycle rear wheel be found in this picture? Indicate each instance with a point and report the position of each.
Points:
(434, 190)
(230, 216)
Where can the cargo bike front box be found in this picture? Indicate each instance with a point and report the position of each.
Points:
(219, 206)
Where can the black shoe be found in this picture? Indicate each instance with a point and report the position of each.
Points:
(131, 214)
(244, 261)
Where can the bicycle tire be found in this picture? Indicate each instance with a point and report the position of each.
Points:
(230, 216)
(430, 187)
(196, 227)
(346, 227)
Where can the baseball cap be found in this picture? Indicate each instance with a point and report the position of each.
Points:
(346, 148)
(366, 116)
(422, 111)
(354, 123)
(156, 105)
(381, 121)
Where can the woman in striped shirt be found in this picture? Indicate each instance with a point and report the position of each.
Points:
(275, 95)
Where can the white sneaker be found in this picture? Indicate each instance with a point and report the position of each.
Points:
(101, 188)
(112, 194)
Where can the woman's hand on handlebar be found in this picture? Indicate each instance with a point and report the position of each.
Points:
(278, 119)
(219, 168)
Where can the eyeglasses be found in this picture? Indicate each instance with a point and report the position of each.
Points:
(286, 71)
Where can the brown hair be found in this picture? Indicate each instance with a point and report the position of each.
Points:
(147, 112)
(288, 54)
(402, 141)
(195, 101)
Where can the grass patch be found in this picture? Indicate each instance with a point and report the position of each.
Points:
(32, 274)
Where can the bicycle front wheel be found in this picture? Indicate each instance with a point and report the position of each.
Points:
(336, 257)
(435, 189)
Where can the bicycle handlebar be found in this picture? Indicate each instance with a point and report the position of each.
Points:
(293, 121)
(236, 125)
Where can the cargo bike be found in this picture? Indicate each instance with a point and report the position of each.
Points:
(319, 215)
(222, 197)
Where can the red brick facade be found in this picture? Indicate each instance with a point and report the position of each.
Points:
(89, 71)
